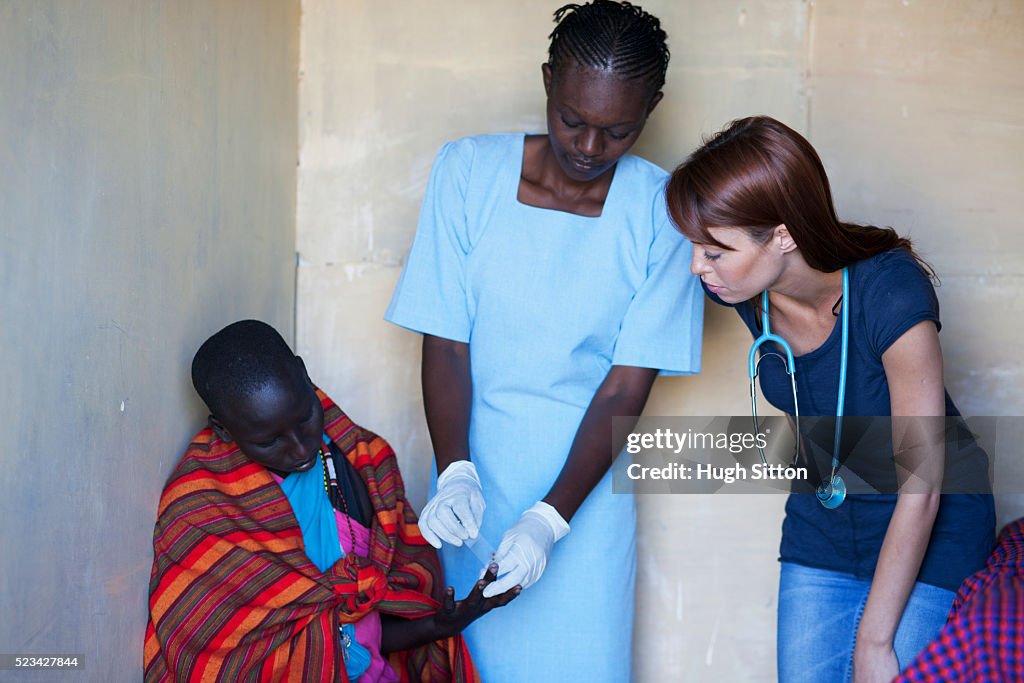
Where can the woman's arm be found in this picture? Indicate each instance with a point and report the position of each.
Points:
(913, 368)
(456, 511)
(623, 392)
(447, 398)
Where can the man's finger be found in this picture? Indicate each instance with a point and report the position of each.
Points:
(513, 577)
(501, 555)
(504, 598)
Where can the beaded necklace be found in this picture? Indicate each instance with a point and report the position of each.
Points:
(356, 657)
(331, 482)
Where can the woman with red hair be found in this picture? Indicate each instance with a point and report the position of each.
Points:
(866, 581)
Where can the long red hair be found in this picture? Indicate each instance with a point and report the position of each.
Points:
(759, 173)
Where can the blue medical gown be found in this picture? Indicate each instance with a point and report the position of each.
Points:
(548, 301)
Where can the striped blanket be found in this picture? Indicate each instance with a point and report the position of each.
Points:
(233, 597)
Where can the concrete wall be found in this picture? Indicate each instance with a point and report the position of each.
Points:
(147, 198)
(916, 110)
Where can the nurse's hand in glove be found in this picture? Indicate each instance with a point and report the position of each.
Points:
(456, 511)
(525, 548)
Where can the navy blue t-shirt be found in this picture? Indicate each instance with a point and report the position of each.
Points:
(889, 294)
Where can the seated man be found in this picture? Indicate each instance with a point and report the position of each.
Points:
(983, 639)
(284, 546)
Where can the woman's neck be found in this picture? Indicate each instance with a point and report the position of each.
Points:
(544, 184)
(801, 286)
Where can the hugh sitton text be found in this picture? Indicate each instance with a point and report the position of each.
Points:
(680, 471)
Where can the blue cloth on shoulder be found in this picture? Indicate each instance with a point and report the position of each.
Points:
(315, 514)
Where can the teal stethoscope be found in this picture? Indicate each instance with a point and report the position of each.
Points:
(833, 492)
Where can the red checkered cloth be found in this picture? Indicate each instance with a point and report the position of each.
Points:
(983, 639)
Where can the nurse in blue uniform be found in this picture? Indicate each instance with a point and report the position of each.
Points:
(544, 277)
(866, 579)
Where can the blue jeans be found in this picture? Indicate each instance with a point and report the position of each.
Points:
(819, 611)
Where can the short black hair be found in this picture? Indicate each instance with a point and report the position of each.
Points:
(616, 36)
(238, 361)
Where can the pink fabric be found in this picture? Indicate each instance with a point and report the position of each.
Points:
(368, 629)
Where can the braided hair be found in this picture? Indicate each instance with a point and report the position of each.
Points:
(615, 36)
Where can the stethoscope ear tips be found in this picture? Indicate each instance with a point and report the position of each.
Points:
(833, 494)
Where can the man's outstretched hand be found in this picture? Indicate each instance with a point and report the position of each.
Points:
(449, 620)
(455, 615)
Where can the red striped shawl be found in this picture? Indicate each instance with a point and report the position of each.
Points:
(233, 596)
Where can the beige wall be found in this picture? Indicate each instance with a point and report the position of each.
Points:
(918, 112)
(915, 106)
(147, 198)
(917, 109)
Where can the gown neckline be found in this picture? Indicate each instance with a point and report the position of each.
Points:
(517, 176)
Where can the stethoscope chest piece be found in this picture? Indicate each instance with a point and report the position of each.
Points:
(832, 494)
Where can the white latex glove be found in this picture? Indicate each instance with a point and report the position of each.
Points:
(456, 511)
(525, 548)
